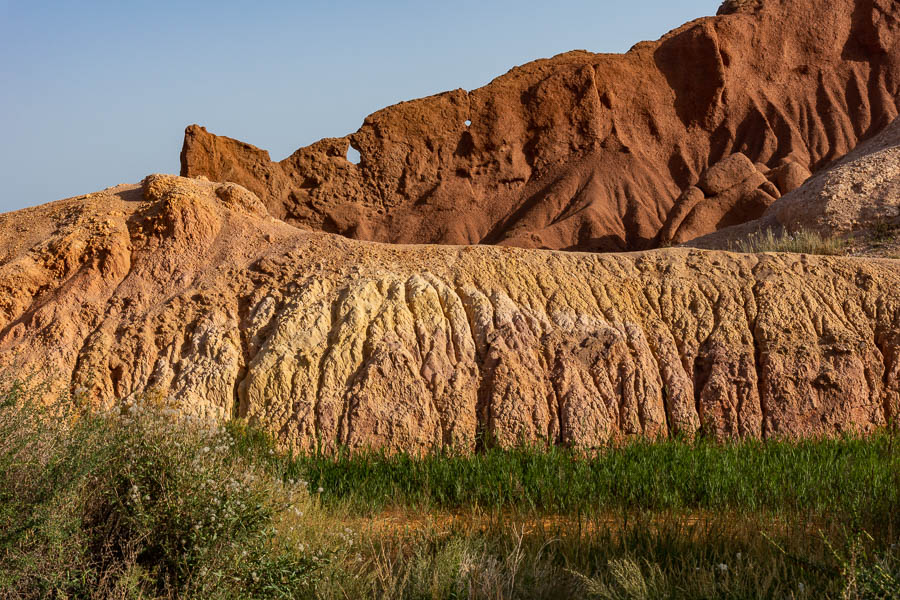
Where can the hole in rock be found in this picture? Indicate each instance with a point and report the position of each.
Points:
(468, 122)
(353, 155)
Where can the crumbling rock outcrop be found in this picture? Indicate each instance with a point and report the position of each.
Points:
(859, 193)
(191, 290)
(729, 193)
(594, 151)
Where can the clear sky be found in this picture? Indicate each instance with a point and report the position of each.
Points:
(95, 93)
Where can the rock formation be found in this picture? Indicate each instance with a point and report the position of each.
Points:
(731, 192)
(861, 191)
(594, 151)
(237, 299)
(191, 290)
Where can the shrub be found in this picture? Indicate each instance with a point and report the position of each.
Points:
(137, 503)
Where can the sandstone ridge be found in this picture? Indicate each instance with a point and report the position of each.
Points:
(192, 290)
(598, 152)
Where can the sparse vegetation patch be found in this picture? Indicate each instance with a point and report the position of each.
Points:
(800, 242)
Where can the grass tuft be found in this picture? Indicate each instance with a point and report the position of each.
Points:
(800, 242)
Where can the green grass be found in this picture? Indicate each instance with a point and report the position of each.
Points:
(850, 475)
(884, 232)
(800, 242)
(149, 504)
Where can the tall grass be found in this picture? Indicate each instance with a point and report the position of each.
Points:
(858, 477)
(145, 503)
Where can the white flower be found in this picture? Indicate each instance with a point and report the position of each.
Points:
(722, 567)
(321, 490)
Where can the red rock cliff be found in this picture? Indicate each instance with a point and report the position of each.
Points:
(589, 151)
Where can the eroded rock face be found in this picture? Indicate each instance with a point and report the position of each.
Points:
(861, 191)
(731, 192)
(856, 195)
(191, 290)
(590, 152)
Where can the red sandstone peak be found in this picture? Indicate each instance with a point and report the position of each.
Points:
(592, 151)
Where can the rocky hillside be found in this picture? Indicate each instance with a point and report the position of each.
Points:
(238, 299)
(600, 152)
(191, 290)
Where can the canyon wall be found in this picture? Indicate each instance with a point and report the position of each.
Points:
(240, 291)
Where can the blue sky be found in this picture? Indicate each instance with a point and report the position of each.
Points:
(96, 93)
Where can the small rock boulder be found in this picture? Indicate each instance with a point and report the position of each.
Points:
(726, 174)
(789, 176)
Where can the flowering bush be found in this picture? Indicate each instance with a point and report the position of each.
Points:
(140, 499)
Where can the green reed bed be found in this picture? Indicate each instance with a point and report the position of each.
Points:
(851, 476)
(668, 519)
